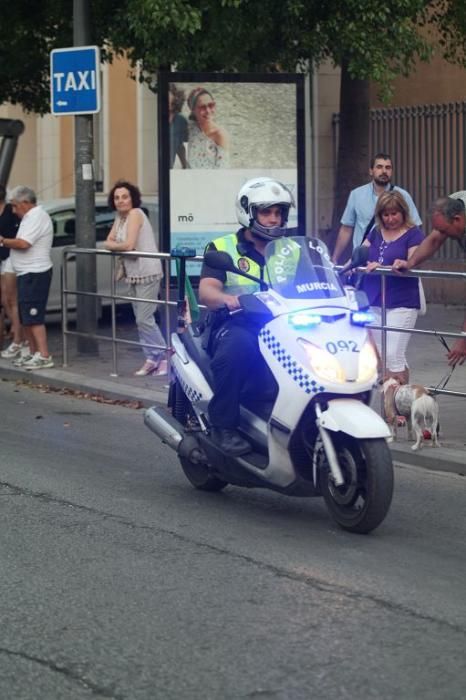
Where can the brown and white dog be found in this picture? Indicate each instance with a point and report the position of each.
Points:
(413, 402)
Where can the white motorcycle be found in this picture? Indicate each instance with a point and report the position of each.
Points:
(318, 436)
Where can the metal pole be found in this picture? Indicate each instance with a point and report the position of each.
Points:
(114, 372)
(383, 336)
(64, 304)
(86, 272)
(168, 334)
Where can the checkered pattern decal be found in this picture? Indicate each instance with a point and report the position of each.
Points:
(191, 393)
(295, 370)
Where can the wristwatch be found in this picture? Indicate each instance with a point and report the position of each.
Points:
(1, 241)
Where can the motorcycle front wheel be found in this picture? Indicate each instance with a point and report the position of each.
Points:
(363, 501)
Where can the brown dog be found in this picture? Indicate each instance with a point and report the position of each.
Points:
(413, 402)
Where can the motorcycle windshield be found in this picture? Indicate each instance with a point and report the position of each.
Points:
(300, 268)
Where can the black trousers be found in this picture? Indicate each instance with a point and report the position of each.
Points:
(239, 371)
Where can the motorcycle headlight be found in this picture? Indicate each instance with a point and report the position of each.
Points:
(304, 319)
(362, 318)
(367, 363)
(326, 366)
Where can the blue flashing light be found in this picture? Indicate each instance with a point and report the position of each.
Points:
(362, 318)
(304, 319)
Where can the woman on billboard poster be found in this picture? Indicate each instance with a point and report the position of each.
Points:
(208, 143)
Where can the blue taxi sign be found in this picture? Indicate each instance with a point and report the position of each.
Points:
(75, 80)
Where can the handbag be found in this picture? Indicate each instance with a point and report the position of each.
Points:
(120, 272)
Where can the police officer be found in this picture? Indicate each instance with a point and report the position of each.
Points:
(262, 208)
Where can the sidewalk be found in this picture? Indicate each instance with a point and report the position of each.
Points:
(92, 374)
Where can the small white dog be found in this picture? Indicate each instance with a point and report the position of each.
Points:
(413, 402)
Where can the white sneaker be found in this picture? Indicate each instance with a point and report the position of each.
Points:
(19, 362)
(38, 362)
(12, 351)
(25, 350)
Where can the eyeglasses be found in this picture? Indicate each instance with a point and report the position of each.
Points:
(209, 105)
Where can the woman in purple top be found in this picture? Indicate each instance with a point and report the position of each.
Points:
(394, 236)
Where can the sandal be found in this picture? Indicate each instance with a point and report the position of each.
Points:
(162, 369)
(149, 367)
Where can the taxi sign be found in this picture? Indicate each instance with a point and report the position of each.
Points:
(75, 80)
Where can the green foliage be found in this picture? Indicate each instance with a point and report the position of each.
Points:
(30, 30)
(376, 40)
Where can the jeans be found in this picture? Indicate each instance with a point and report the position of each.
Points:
(149, 332)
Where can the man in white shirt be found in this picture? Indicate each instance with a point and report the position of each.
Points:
(30, 258)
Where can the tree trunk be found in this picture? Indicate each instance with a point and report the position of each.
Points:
(353, 143)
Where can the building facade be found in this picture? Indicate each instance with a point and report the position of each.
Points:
(125, 137)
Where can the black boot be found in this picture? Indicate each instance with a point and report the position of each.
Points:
(230, 441)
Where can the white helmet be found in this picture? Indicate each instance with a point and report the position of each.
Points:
(262, 193)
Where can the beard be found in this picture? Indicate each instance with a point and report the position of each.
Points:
(382, 180)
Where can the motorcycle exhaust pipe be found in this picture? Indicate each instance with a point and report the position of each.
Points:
(164, 426)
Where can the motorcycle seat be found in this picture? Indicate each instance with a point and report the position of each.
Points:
(192, 340)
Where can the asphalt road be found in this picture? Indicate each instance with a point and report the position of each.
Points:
(118, 580)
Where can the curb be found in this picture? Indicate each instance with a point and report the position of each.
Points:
(63, 379)
(449, 458)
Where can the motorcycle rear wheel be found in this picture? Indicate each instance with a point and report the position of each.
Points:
(363, 501)
(199, 476)
(197, 473)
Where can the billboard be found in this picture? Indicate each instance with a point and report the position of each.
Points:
(216, 132)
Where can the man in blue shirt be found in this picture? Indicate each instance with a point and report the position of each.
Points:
(361, 203)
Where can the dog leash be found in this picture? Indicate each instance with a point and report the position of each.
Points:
(446, 377)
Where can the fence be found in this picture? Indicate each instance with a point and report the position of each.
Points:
(69, 254)
(428, 146)
(422, 274)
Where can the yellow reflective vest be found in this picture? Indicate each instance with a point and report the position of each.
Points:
(235, 284)
(283, 264)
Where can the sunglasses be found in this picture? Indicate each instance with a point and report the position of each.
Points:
(209, 105)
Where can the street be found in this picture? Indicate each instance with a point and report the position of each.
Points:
(119, 580)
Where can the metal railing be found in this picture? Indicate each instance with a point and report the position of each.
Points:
(387, 272)
(70, 252)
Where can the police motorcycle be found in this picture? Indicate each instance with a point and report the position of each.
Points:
(319, 436)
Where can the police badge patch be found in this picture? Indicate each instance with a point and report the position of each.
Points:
(243, 264)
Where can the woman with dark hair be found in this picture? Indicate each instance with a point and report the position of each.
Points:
(132, 231)
(393, 236)
(208, 144)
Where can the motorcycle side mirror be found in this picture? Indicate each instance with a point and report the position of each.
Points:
(359, 258)
(220, 260)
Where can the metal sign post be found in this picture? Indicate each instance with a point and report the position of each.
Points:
(75, 90)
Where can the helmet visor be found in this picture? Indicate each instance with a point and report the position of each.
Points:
(271, 214)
